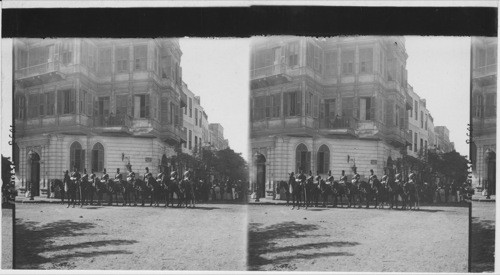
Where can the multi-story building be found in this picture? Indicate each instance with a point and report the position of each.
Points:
(327, 104)
(419, 129)
(193, 122)
(484, 98)
(95, 104)
(430, 132)
(443, 144)
(217, 136)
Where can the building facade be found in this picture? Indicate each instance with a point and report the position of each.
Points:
(483, 124)
(443, 143)
(327, 104)
(95, 104)
(216, 133)
(195, 122)
(419, 128)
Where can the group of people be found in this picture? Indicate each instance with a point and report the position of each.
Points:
(161, 188)
(388, 190)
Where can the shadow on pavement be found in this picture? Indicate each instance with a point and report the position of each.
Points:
(33, 239)
(482, 245)
(264, 240)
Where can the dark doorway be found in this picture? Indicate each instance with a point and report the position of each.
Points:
(260, 163)
(34, 163)
(491, 173)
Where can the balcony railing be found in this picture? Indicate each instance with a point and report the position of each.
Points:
(485, 71)
(267, 71)
(37, 69)
(340, 122)
(112, 121)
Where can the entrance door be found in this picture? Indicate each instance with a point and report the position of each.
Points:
(492, 173)
(34, 160)
(261, 179)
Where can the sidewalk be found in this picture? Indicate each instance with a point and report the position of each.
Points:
(481, 198)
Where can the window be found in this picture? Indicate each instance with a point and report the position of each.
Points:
(292, 103)
(421, 119)
(323, 159)
(293, 54)
(347, 62)
(381, 64)
(396, 121)
(172, 111)
(66, 102)
(185, 144)
(273, 103)
(67, 52)
(20, 107)
(190, 139)
(259, 107)
(490, 108)
(121, 106)
(141, 106)
(421, 145)
(50, 100)
(196, 116)
(331, 63)
(411, 111)
(195, 142)
(88, 56)
(302, 159)
(97, 157)
(478, 106)
(76, 156)
(38, 55)
(309, 99)
(366, 60)
(33, 102)
(166, 67)
(22, 59)
(425, 142)
(140, 57)
(411, 143)
(190, 107)
(104, 67)
(103, 106)
(122, 59)
(391, 69)
(330, 109)
(155, 60)
(491, 55)
(481, 58)
(415, 107)
(347, 106)
(313, 57)
(366, 112)
(415, 143)
(426, 115)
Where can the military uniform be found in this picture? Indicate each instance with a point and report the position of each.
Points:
(330, 179)
(355, 179)
(75, 176)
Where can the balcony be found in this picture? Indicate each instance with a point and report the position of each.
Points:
(269, 75)
(113, 124)
(39, 74)
(485, 71)
(339, 125)
(173, 134)
(396, 136)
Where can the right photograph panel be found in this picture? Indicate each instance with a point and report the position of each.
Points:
(360, 154)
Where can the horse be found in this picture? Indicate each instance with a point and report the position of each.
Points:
(102, 188)
(365, 193)
(309, 191)
(378, 192)
(90, 190)
(83, 188)
(410, 198)
(173, 187)
(351, 193)
(189, 187)
(70, 187)
(323, 191)
(394, 189)
(338, 191)
(57, 186)
(155, 189)
(295, 189)
(283, 186)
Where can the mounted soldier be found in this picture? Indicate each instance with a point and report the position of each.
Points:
(69, 188)
(84, 187)
(75, 179)
(92, 185)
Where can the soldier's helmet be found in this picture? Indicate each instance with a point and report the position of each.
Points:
(173, 174)
(186, 174)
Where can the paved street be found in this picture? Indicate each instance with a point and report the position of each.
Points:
(210, 237)
(434, 239)
(7, 238)
(483, 237)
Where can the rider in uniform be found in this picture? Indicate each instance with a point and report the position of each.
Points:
(385, 179)
(330, 177)
(85, 176)
(118, 176)
(147, 175)
(398, 178)
(317, 179)
(75, 176)
(92, 176)
(105, 175)
(343, 178)
(355, 178)
(412, 177)
(372, 177)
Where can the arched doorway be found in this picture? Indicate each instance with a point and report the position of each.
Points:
(323, 163)
(260, 164)
(491, 172)
(34, 174)
(302, 159)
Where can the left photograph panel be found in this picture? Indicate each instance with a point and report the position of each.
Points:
(130, 153)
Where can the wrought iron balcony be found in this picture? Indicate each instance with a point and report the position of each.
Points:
(39, 74)
(112, 121)
(339, 125)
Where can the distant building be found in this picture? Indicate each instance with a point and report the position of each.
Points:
(421, 126)
(95, 104)
(195, 122)
(484, 113)
(443, 144)
(217, 141)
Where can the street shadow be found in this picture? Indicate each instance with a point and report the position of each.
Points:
(33, 239)
(482, 245)
(264, 240)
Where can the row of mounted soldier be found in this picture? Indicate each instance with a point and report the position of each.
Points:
(133, 189)
(307, 190)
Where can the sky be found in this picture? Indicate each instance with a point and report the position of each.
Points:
(439, 71)
(217, 70)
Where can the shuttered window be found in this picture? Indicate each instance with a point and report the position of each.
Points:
(323, 159)
(104, 61)
(347, 62)
(67, 52)
(166, 67)
(141, 106)
(302, 159)
(331, 63)
(365, 60)
(293, 54)
(292, 104)
(490, 108)
(66, 102)
(33, 104)
(140, 57)
(348, 106)
(20, 109)
(122, 59)
(259, 108)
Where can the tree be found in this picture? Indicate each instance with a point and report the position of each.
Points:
(231, 164)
